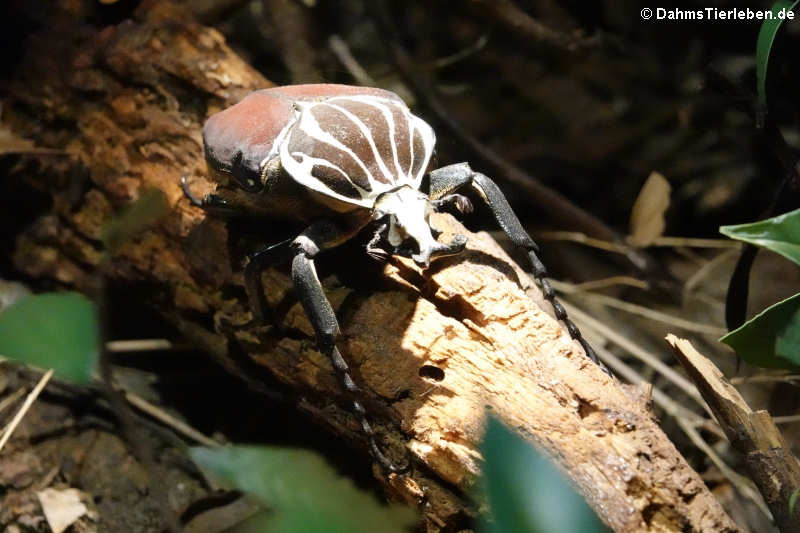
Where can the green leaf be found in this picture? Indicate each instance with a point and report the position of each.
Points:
(780, 234)
(526, 493)
(793, 500)
(302, 490)
(766, 36)
(771, 338)
(148, 209)
(52, 330)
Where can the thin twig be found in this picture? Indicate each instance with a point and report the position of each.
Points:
(13, 397)
(9, 429)
(611, 281)
(139, 345)
(169, 420)
(635, 309)
(582, 238)
(342, 52)
(672, 242)
(461, 55)
(692, 242)
(530, 31)
(763, 378)
(705, 270)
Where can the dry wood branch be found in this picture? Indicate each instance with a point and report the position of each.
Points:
(769, 460)
(529, 30)
(434, 350)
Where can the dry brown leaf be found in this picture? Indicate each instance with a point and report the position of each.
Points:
(61, 507)
(647, 216)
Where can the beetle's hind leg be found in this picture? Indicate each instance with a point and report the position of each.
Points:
(446, 180)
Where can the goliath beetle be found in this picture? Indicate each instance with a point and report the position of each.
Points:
(336, 159)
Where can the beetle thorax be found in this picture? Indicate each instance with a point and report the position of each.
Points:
(406, 212)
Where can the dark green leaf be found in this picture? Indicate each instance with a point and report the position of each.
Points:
(150, 207)
(769, 28)
(54, 330)
(793, 500)
(780, 234)
(772, 338)
(526, 493)
(302, 490)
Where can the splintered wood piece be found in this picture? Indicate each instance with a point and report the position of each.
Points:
(770, 462)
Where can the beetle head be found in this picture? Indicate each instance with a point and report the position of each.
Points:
(406, 213)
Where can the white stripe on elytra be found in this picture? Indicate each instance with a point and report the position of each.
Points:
(301, 170)
(410, 149)
(309, 125)
(382, 104)
(318, 161)
(428, 142)
(370, 139)
(414, 124)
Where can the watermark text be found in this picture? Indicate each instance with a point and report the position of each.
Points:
(716, 14)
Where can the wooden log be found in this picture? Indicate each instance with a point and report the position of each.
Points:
(770, 462)
(434, 351)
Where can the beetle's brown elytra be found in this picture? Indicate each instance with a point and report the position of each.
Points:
(335, 159)
(350, 143)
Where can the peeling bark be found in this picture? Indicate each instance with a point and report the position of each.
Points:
(435, 350)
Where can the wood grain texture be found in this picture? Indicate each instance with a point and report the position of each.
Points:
(435, 350)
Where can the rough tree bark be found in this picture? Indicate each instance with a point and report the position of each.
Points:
(434, 350)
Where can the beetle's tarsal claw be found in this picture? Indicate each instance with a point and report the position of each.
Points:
(459, 201)
(194, 200)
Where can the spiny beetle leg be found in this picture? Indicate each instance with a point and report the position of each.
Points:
(447, 179)
(326, 328)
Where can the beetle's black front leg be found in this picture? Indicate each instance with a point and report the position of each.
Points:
(326, 328)
(446, 180)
